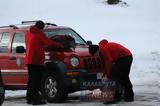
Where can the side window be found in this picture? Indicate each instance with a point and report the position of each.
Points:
(4, 41)
(18, 40)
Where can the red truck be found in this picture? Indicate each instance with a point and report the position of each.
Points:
(65, 70)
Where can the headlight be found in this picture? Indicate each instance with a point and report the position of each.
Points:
(74, 61)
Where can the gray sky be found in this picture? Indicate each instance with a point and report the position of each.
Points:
(12, 11)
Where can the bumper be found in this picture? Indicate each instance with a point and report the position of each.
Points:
(82, 80)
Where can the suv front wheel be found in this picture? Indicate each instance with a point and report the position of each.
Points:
(52, 88)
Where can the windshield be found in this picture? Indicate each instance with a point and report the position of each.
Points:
(53, 32)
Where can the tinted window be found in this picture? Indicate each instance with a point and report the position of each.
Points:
(53, 32)
(4, 42)
(18, 41)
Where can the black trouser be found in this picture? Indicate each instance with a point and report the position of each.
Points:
(35, 73)
(120, 73)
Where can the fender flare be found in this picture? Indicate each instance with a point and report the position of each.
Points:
(57, 67)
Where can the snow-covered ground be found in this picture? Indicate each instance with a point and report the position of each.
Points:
(145, 77)
(136, 26)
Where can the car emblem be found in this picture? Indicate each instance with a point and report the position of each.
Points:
(18, 62)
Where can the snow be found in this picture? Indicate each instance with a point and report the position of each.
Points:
(136, 26)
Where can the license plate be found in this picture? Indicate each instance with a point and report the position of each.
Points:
(99, 75)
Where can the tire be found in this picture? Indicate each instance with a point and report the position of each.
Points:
(52, 88)
(2, 94)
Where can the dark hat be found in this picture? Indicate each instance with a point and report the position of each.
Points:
(93, 49)
(103, 42)
(40, 24)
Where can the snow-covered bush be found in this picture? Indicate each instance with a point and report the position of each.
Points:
(113, 1)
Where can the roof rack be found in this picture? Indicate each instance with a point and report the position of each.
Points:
(50, 24)
(10, 26)
(29, 22)
(23, 23)
(33, 22)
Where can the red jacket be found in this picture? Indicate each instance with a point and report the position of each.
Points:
(36, 42)
(111, 52)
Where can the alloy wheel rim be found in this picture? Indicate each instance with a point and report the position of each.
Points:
(51, 87)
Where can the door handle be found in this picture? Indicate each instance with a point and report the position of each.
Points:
(12, 58)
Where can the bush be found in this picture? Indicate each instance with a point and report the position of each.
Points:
(113, 1)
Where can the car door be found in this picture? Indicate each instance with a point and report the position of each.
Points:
(4, 55)
(16, 71)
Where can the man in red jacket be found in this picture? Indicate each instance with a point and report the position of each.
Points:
(36, 42)
(118, 60)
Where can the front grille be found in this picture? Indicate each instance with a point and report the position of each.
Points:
(93, 63)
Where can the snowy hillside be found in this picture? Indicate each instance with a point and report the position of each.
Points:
(136, 26)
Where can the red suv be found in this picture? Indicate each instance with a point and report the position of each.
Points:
(65, 70)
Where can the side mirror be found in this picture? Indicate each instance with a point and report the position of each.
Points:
(20, 49)
(89, 42)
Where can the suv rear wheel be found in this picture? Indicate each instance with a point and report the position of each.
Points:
(52, 88)
(2, 94)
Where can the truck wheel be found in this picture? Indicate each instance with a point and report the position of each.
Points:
(52, 88)
(2, 94)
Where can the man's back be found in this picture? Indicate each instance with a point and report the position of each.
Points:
(34, 46)
(116, 50)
